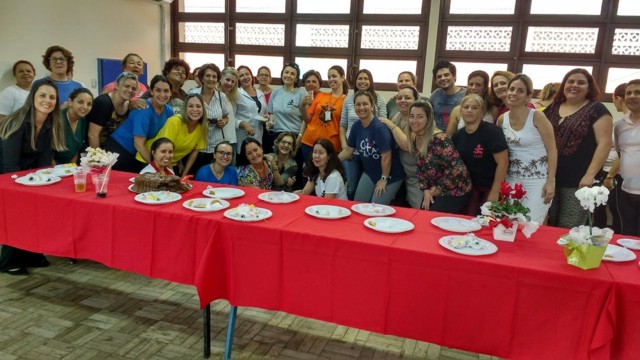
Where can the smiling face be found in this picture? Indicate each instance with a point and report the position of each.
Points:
(177, 75)
(161, 93)
(517, 94)
(334, 79)
(632, 98)
(264, 77)
(210, 79)
(58, 63)
(289, 75)
(24, 75)
(471, 111)
(312, 83)
(254, 153)
(418, 119)
(228, 82)
(404, 80)
(363, 82)
(404, 99)
(134, 65)
(500, 85)
(576, 87)
(195, 110)
(223, 155)
(81, 105)
(320, 156)
(363, 107)
(285, 145)
(45, 99)
(163, 155)
(127, 90)
(476, 85)
(445, 79)
(245, 78)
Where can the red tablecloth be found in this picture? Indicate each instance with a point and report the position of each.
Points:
(524, 302)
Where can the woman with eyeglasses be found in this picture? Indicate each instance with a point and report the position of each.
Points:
(324, 172)
(59, 61)
(251, 108)
(285, 148)
(187, 131)
(353, 166)
(134, 64)
(255, 169)
(220, 120)
(382, 173)
(220, 171)
(111, 109)
(13, 97)
(142, 124)
(264, 82)
(175, 71)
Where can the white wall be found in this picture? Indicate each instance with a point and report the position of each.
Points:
(90, 29)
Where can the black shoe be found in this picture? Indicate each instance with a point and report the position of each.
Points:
(17, 271)
(41, 264)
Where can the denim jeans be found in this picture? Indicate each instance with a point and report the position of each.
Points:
(353, 168)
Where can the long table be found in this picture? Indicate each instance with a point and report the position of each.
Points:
(524, 302)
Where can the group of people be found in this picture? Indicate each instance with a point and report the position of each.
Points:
(446, 152)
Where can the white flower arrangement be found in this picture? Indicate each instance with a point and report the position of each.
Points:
(98, 160)
(590, 198)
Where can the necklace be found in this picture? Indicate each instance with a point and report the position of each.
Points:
(217, 174)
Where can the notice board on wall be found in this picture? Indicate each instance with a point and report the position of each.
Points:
(109, 69)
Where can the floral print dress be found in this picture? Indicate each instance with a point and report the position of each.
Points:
(441, 166)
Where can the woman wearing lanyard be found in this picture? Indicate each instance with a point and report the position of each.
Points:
(250, 108)
(323, 117)
(218, 111)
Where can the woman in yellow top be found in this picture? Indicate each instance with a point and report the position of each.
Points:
(187, 132)
(322, 120)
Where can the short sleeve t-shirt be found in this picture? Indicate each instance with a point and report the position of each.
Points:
(371, 142)
(477, 150)
(144, 123)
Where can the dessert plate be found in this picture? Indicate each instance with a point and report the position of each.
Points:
(373, 209)
(468, 245)
(456, 224)
(278, 197)
(157, 197)
(388, 225)
(615, 253)
(248, 213)
(206, 204)
(35, 179)
(630, 243)
(223, 193)
(327, 211)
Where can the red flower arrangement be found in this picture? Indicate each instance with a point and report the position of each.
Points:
(509, 206)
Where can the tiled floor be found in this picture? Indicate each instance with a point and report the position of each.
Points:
(88, 311)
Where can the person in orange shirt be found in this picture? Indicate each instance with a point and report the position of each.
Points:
(322, 120)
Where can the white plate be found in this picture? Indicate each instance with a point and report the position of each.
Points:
(57, 171)
(223, 193)
(205, 204)
(486, 247)
(157, 197)
(131, 188)
(456, 224)
(260, 215)
(327, 211)
(373, 209)
(617, 253)
(388, 224)
(37, 179)
(630, 243)
(133, 179)
(278, 197)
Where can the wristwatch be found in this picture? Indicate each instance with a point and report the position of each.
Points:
(385, 177)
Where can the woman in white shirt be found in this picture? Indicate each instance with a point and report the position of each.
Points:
(13, 97)
(324, 172)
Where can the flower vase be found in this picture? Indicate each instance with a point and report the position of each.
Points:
(584, 256)
(502, 233)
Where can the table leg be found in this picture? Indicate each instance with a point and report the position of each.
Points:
(231, 324)
(206, 317)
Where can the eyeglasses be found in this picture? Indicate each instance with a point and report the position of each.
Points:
(264, 74)
(224, 153)
(284, 142)
(58, 60)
